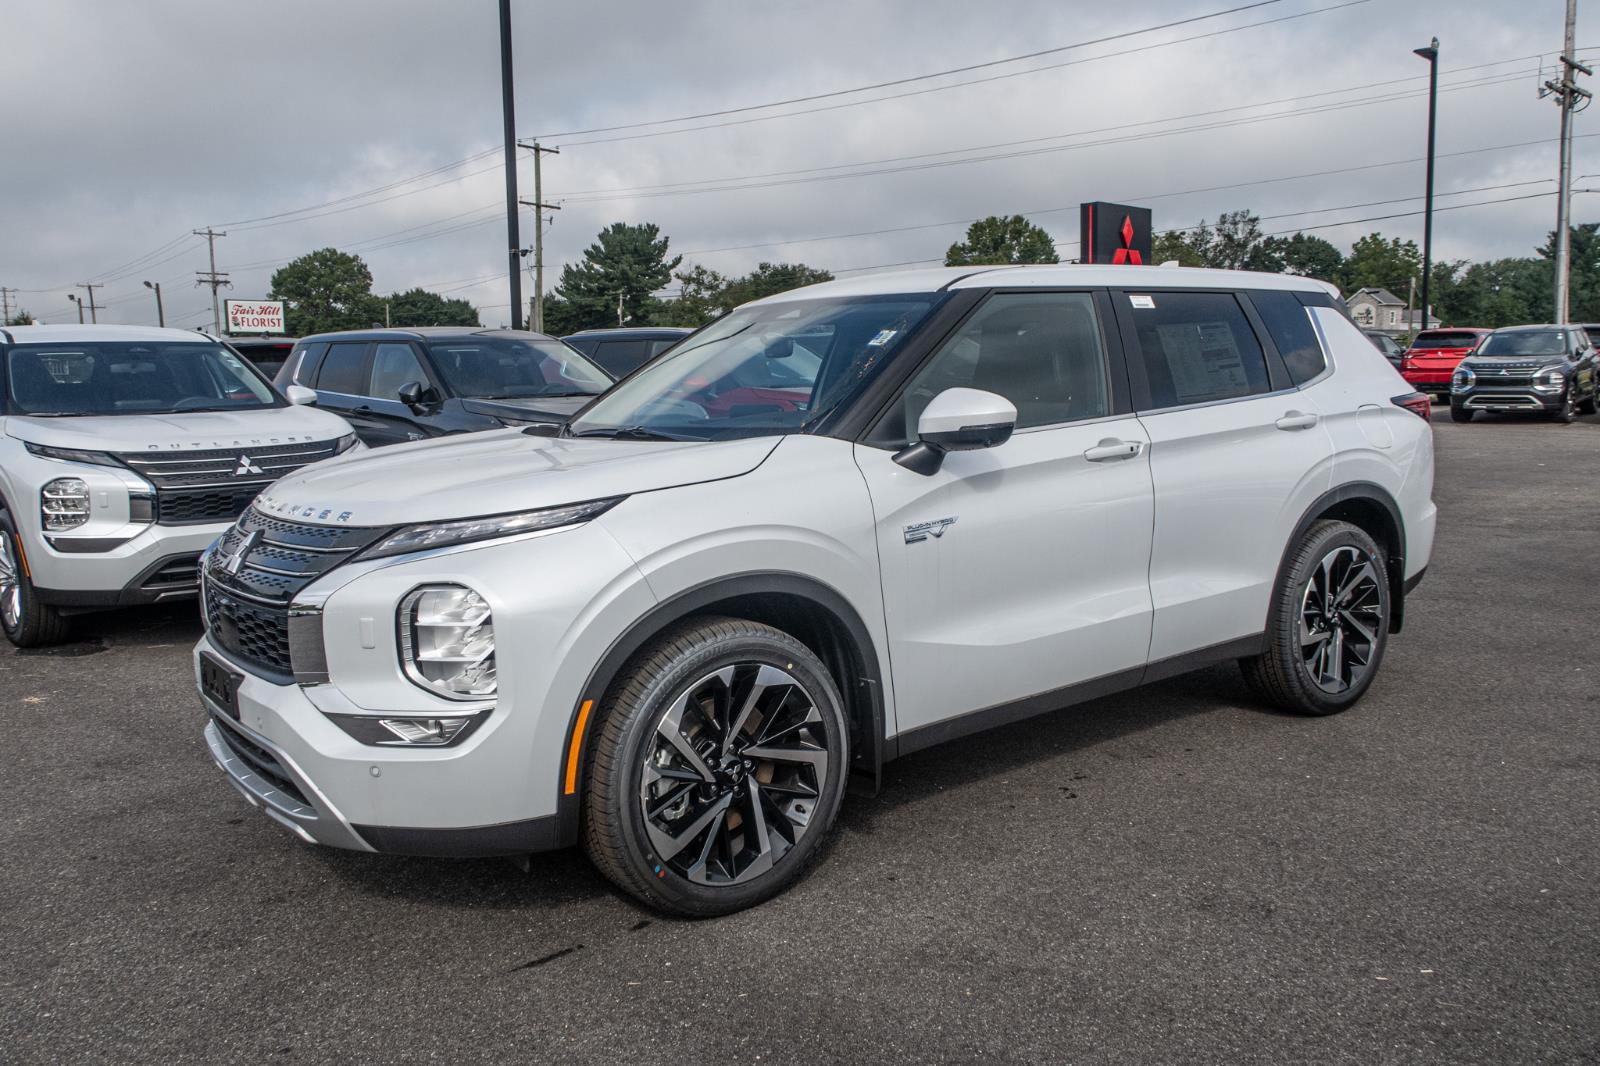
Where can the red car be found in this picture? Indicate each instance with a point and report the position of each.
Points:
(1433, 355)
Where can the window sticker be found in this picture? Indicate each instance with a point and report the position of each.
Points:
(884, 337)
(1143, 303)
(1204, 360)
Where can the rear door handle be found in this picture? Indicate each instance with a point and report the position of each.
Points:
(1112, 449)
(1296, 420)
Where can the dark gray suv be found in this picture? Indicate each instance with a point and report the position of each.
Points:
(1538, 369)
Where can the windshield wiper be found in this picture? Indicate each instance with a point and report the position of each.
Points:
(632, 433)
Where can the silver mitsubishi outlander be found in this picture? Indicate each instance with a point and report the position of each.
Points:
(124, 452)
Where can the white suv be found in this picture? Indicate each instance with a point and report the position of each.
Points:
(833, 527)
(124, 452)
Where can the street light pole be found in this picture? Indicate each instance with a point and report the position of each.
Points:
(1431, 54)
(508, 112)
(161, 315)
(77, 300)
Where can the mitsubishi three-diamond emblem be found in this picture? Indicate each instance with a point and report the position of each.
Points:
(246, 467)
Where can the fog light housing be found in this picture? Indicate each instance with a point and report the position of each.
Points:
(447, 642)
(424, 731)
(64, 504)
(397, 731)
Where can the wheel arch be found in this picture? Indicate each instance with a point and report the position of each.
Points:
(812, 612)
(1371, 508)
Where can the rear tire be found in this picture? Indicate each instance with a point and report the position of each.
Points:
(26, 622)
(1327, 625)
(1588, 407)
(1460, 414)
(720, 727)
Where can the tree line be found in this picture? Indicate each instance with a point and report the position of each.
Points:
(629, 277)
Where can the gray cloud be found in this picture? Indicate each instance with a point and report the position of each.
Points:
(131, 124)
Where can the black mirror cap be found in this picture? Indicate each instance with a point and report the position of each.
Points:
(926, 456)
(971, 438)
(415, 394)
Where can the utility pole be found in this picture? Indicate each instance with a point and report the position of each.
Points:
(212, 278)
(508, 112)
(94, 317)
(1431, 54)
(161, 315)
(5, 305)
(619, 309)
(1568, 97)
(539, 207)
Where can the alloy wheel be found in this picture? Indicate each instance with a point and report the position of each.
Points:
(10, 585)
(1341, 616)
(733, 774)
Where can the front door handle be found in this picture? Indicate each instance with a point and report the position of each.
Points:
(1112, 449)
(1296, 420)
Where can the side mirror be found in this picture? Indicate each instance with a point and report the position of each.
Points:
(300, 396)
(414, 394)
(958, 420)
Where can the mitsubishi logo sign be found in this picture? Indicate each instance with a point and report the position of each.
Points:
(246, 467)
(236, 560)
(1114, 233)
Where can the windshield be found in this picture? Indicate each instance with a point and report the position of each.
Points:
(131, 379)
(1444, 340)
(1529, 342)
(761, 370)
(501, 368)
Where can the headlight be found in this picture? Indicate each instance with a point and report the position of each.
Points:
(1550, 379)
(444, 534)
(1463, 379)
(447, 643)
(64, 504)
(345, 443)
(71, 455)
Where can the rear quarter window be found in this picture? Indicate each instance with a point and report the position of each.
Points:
(1288, 322)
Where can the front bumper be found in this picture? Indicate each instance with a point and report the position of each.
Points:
(1507, 399)
(156, 565)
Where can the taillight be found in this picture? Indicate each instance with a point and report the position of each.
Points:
(1419, 404)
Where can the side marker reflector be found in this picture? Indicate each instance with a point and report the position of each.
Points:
(576, 748)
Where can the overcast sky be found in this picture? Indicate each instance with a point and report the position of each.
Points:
(125, 126)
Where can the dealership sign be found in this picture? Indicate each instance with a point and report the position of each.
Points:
(255, 316)
(1114, 233)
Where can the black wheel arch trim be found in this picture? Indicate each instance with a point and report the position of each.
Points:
(864, 659)
(1365, 491)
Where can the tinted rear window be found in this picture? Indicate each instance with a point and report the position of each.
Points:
(1289, 324)
(1445, 339)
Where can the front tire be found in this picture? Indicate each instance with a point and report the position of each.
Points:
(1567, 411)
(1327, 625)
(26, 622)
(1460, 414)
(718, 769)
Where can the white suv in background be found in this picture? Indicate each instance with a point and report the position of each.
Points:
(124, 452)
(833, 527)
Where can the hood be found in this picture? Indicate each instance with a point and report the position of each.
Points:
(497, 472)
(530, 408)
(196, 431)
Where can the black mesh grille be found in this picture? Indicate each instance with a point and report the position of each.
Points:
(216, 485)
(254, 572)
(194, 507)
(253, 632)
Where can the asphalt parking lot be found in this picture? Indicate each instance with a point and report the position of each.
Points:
(1169, 875)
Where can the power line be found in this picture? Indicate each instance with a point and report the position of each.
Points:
(908, 80)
